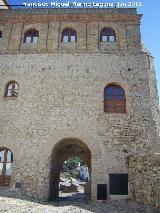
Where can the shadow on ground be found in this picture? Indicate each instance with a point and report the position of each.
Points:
(71, 203)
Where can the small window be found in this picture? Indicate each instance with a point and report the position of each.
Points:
(107, 35)
(69, 35)
(114, 99)
(31, 36)
(12, 89)
(6, 159)
(0, 35)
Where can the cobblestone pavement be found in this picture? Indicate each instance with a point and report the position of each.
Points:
(22, 204)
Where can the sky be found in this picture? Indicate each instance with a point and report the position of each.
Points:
(150, 29)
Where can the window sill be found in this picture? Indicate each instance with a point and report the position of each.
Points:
(66, 42)
(10, 98)
(116, 113)
(32, 43)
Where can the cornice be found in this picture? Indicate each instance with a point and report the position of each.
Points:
(45, 18)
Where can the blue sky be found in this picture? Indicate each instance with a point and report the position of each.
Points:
(150, 28)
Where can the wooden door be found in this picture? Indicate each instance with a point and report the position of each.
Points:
(6, 159)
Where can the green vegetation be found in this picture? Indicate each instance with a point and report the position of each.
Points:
(71, 167)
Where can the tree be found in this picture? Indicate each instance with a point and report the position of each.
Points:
(71, 164)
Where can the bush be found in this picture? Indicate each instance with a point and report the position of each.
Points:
(70, 167)
(71, 164)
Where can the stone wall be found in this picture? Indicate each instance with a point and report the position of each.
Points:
(56, 95)
(61, 94)
(154, 101)
(144, 179)
(50, 26)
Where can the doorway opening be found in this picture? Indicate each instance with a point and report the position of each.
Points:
(68, 181)
(74, 181)
(6, 159)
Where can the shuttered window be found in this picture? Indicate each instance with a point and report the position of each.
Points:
(114, 99)
(69, 35)
(107, 35)
(31, 36)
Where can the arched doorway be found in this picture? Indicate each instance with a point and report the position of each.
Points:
(63, 150)
(6, 159)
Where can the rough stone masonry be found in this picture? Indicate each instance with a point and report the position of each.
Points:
(59, 110)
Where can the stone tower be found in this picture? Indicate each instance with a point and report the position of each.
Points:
(77, 81)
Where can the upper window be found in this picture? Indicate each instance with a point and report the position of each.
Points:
(6, 159)
(107, 35)
(11, 89)
(0, 35)
(31, 36)
(114, 99)
(69, 35)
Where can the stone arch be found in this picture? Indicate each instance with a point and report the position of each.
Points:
(4, 147)
(118, 83)
(64, 149)
(98, 157)
(91, 139)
